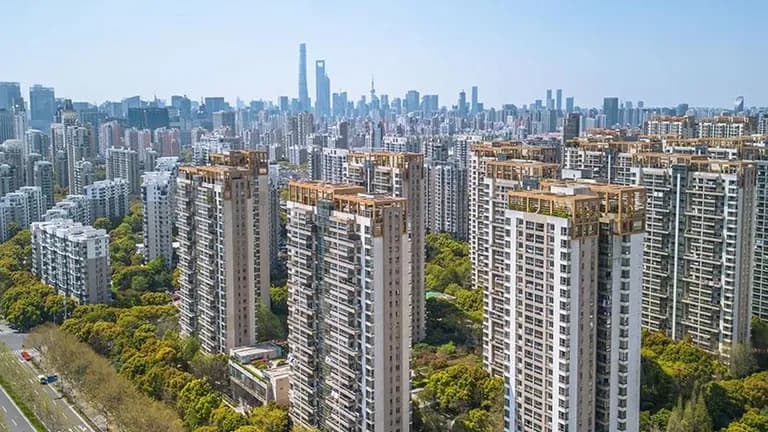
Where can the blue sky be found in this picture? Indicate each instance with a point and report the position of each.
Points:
(664, 52)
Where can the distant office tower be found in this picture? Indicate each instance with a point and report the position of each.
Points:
(475, 106)
(671, 127)
(462, 104)
(572, 255)
(559, 100)
(738, 105)
(107, 199)
(339, 104)
(322, 91)
(72, 258)
(303, 92)
(222, 216)
(43, 178)
(571, 124)
(9, 93)
(411, 101)
(550, 103)
(495, 170)
(7, 125)
(348, 329)
(224, 122)
(85, 175)
(123, 163)
(157, 195)
(20, 124)
(724, 127)
(569, 104)
(399, 175)
(148, 118)
(446, 209)
(611, 111)
(110, 135)
(183, 105)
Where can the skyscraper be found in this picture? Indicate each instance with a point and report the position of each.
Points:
(43, 177)
(738, 105)
(571, 125)
(157, 195)
(9, 93)
(303, 92)
(399, 175)
(573, 288)
(322, 91)
(475, 107)
(549, 101)
(411, 101)
(611, 111)
(569, 104)
(462, 103)
(223, 221)
(559, 100)
(124, 163)
(348, 328)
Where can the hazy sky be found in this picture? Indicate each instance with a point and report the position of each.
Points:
(703, 52)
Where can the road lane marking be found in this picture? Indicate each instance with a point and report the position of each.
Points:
(4, 408)
(14, 423)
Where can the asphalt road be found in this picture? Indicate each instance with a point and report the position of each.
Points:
(12, 416)
(71, 420)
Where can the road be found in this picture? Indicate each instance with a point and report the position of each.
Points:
(66, 418)
(12, 415)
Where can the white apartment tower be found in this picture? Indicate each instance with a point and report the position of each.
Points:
(573, 328)
(73, 258)
(446, 198)
(495, 170)
(223, 227)
(699, 244)
(399, 175)
(349, 286)
(108, 198)
(124, 163)
(157, 193)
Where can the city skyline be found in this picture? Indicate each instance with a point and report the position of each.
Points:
(507, 68)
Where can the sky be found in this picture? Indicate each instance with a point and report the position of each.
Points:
(664, 52)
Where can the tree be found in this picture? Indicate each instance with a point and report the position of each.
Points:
(213, 368)
(196, 402)
(743, 362)
(225, 419)
(457, 388)
(269, 418)
(476, 420)
(278, 296)
(268, 325)
(103, 223)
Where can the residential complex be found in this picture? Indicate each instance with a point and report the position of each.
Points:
(108, 199)
(73, 258)
(349, 286)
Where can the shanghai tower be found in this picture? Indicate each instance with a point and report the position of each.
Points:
(303, 93)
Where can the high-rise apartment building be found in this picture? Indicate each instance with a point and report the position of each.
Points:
(7, 125)
(85, 175)
(75, 207)
(724, 127)
(698, 251)
(20, 208)
(223, 222)
(671, 126)
(571, 127)
(107, 199)
(124, 163)
(493, 172)
(399, 175)
(110, 135)
(475, 103)
(446, 209)
(569, 104)
(572, 273)
(157, 195)
(322, 91)
(73, 258)
(42, 177)
(348, 319)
